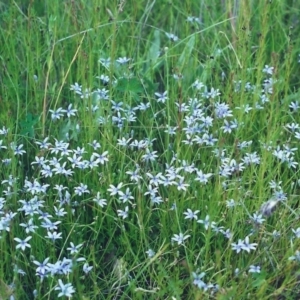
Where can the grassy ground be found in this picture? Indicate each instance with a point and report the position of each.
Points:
(149, 149)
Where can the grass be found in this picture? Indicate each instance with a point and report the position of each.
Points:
(149, 149)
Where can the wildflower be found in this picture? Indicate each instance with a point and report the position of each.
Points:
(217, 229)
(296, 232)
(53, 235)
(179, 238)
(17, 149)
(76, 88)
(203, 178)
(294, 106)
(230, 203)
(181, 185)
(123, 60)
(222, 110)
(6, 161)
(155, 179)
(238, 247)
(60, 267)
(4, 130)
(99, 201)
(279, 195)
(101, 94)
(237, 272)
(213, 93)
(46, 171)
(172, 37)
(42, 267)
(60, 211)
(151, 190)
(268, 70)
(227, 233)
(257, 219)
(162, 97)
(65, 289)
(295, 257)
(60, 169)
(23, 243)
(116, 106)
(48, 224)
(167, 181)
(79, 151)
(198, 85)
(18, 271)
(57, 114)
(103, 78)
(254, 269)
(247, 246)
(105, 62)
(156, 199)
(134, 175)
(189, 214)
(82, 189)
(123, 142)
(127, 196)
(2, 146)
(275, 185)
(40, 161)
(75, 160)
(192, 19)
(251, 158)
(29, 226)
(70, 111)
(101, 158)
(227, 127)
(205, 222)
(74, 249)
(209, 140)
(115, 190)
(150, 253)
(95, 145)
(200, 283)
(123, 213)
(86, 268)
(198, 279)
(149, 156)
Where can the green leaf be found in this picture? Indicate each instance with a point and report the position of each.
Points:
(132, 85)
(153, 52)
(149, 86)
(65, 130)
(186, 54)
(259, 279)
(27, 125)
(153, 61)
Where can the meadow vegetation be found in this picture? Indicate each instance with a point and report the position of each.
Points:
(149, 149)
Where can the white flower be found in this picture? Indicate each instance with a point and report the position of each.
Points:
(296, 232)
(115, 190)
(189, 214)
(179, 238)
(254, 269)
(123, 60)
(150, 253)
(123, 213)
(172, 37)
(65, 289)
(268, 70)
(86, 268)
(23, 243)
(205, 222)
